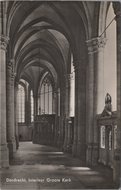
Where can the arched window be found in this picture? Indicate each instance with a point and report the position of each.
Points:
(102, 137)
(110, 140)
(72, 89)
(32, 106)
(46, 97)
(115, 137)
(21, 104)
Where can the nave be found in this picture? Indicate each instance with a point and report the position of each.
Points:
(54, 169)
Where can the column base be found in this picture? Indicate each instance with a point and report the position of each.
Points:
(60, 142)
(89, 154)
(74, 148)
(95, 154)
(81, 152)
(4, 156)
(17, 141)
(68, 147)
(65, 146)
(117, 168)
(12, 148)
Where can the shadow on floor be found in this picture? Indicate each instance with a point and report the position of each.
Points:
(35, 162)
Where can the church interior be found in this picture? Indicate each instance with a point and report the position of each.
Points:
(60, 94)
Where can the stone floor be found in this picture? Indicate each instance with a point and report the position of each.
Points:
(43, 167)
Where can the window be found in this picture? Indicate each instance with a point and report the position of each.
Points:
(115, 137)
(32, 106)
(110, 140)
(102, 137)
(46, 97)
(21, 104)
(72, 90)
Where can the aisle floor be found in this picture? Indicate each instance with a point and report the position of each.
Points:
(43, 167)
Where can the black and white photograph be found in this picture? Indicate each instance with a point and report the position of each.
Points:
(60, 95)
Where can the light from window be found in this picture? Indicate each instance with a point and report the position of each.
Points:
(115, 137)
(21, 104)
(46, 97)
(110, 140)
(102, 137)
(32, 106)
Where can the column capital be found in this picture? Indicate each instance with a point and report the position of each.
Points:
(75, 62)
(10, 67)
(117, 9)
(10, 64)
(95, 44)
(69, 77)
(16, 85)
(3, 42)
(13, 76)
(35, 96)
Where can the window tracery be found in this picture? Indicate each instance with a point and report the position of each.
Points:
(46, 97)
(102, 137)
(21, 104)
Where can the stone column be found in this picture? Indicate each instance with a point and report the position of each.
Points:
(29, 108)
(95, 48)
(55, 102)
(4, 158)
(69, 122)
(66, 112)
(66, 134)
(81, 107)
(74, 146)
(90, 103)
(69, 133)
(35, 105)
(117, 153)
(26, 105)
(10, 109)
(55, 111)
(61, 118)
(58, 116)
(16, 114)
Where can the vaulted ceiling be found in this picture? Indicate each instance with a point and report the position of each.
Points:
(44, 34)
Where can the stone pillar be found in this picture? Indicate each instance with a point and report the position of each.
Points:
(66, 134)
(95, 48)
(10, 109)
(55, 111)
(81, 107)
(55, 101)
(61, 132)
(16, 114)
(90, 103)
(26, 105)
(58, 116)
(61, 118)
(69, 135)
(68, 119)
(35, 105)
(66, 112)
(117, 153)
(74, 146)
(29, 107)
(4, 158)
